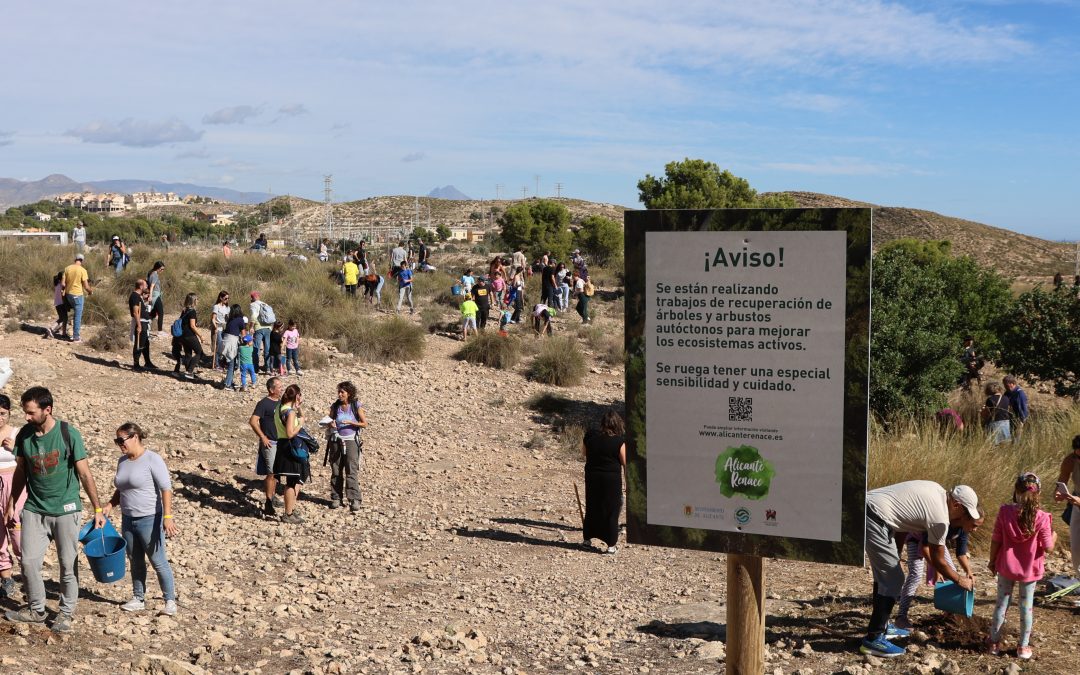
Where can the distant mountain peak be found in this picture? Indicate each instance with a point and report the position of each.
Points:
(448, 192)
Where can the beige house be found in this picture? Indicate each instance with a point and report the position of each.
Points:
(467, 234)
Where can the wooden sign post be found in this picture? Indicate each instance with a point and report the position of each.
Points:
(745, 615)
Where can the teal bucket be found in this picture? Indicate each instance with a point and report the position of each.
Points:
(88, 533)
(106, 556)
(949, 597)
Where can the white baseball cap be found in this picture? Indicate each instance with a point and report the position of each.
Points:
(965, 496)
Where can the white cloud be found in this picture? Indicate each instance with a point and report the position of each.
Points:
(6, 138)
(136, 133)
(413, 157)
(237, 114)
(293, 109)
(820, 103)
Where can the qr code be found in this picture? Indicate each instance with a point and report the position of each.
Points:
(740, 409)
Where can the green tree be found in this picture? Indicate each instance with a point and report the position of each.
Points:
(442, 231)
(924, 302)
(697, 184)
(422, 233)
(280, 208)
(1040, 338)
(601, 238)
(538, 226)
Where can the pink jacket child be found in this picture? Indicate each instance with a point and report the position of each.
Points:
(1022, 538)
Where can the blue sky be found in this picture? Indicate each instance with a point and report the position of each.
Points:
(966, 108)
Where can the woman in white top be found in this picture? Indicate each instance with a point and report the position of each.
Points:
(9, 532)
(217, 326)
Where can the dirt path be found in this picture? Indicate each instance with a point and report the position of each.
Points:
(463, 559)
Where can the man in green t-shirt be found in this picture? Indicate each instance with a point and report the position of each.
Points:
(50, 464)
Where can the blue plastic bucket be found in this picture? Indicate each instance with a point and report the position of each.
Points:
(88, 532)
(106, 556)
(949, 597)
(455, 290)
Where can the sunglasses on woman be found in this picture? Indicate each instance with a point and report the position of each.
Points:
(120, 440)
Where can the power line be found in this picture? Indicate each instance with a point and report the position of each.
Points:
(558, 190)
(524, 191)
(498, 191)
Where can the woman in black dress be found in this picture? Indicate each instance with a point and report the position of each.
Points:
(604, 448)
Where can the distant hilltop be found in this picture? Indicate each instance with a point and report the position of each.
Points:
(14, 192)
(449, 192)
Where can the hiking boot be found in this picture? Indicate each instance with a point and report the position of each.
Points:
(292, 519)
(7, 588)
(170, 608)
(134, 605)
(268, 508)
(354, 507)
(62, 623)
(25, 615)
(335, 504)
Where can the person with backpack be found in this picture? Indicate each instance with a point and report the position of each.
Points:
(230, 344)
(117, 255)
(262, 320)
(189, 338)
(345, 453)
(51, 462)
(290, 466)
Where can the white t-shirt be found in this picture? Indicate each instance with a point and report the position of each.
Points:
(915, 506)
(221, 315)
(7, 459)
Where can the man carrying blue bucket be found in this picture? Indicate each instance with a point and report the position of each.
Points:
(916, 506)
(51, 461)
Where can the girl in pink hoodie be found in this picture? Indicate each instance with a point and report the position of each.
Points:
(1022, 538)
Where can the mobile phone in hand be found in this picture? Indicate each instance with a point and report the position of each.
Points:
(1063, 489)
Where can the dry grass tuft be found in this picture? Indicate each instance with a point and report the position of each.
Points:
(560, 362)
(492, 350)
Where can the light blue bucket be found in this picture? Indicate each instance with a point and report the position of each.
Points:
(455, 290)
(106, 556)
(949, 597)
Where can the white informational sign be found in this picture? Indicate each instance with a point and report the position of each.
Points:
(745, 346)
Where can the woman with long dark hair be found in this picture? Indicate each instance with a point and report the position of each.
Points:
(190, 339)
(288, 468)
(230, 343)
(604, 449)
(220, 316)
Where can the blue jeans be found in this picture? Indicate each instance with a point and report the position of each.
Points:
(146, 539)
(247, 370)
(262, 337)
(230, 371)
(76, 301)
(999, 432)
(291, 356)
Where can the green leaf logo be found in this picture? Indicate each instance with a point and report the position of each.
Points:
(743, 471)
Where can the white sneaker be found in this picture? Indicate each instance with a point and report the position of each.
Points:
(170, 608)
(611, 550)
(133, 605)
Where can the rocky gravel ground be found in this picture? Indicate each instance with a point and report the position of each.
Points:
(465, 557)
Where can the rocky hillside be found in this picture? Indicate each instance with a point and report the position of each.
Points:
(1011, 253)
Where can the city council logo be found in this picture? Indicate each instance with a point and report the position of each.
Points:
(742, 515)
(743, 471)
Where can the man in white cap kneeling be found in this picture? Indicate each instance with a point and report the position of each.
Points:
(912, 507)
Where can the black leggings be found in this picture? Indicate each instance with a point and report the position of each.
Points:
(193, 352)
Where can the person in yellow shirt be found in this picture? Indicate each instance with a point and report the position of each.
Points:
(76, 286)
(351, 273)
(468, 316)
